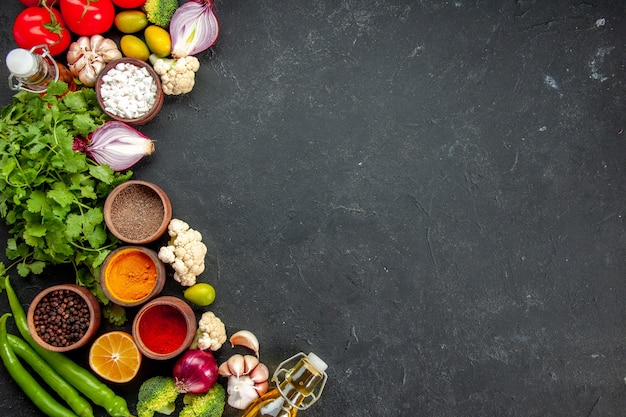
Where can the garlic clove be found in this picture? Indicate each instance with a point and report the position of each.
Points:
(247, 339)
(111, 54)
(261, 388)
(98, 65)
(235, 365)
(260, 373)
(73, 55)
(83, 43)
(224, 370)
(78, 65)
(87, 76)
(108, 44)
(249, 363)
(95, 42)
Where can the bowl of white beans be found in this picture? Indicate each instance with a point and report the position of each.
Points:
(130, 91)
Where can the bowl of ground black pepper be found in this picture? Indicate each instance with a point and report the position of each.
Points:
(137, 212)
(63, 317)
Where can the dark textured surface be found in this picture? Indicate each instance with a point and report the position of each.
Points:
(427, 194)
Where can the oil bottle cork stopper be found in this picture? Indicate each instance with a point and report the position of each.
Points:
(317, 362)
(21, 63)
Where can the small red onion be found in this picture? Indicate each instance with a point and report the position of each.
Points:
(195, 372)
(193, 28)
(115, 144)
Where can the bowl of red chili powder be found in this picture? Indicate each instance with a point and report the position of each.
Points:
(164, 327)
(132, 275)
(63, 317)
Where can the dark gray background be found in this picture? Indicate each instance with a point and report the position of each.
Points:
(427, 194)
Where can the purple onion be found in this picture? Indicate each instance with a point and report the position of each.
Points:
(193, 28)
(195, 372)
(115, 144)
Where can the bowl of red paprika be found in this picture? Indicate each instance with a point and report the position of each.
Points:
(132, 275)
(63, 317)
(164, 327)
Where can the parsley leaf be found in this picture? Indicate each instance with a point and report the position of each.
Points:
(50, 195)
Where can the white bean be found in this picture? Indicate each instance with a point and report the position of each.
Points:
(128, 91)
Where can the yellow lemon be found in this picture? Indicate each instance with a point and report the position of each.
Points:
(133, 47)
(158, 40)
(131, 21)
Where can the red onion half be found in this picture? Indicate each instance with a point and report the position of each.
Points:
(195, 372)
(115, 144)
(193, 28)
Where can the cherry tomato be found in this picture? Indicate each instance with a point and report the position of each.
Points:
(33, 3)
(32, 28)
(88, 17)
(129, 4)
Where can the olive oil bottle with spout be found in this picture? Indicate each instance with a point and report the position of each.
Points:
(33, 70)
(299, 383)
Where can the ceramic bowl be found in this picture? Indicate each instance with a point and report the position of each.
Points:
(59, 307)
(164, 328)
(106, 106)
(132, 275)
(137, 212)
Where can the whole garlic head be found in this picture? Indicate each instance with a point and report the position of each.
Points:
(247, 379)
(87, 57)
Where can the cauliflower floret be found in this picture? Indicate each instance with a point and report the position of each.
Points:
(211, 333)
(185, 252)
(178, 76)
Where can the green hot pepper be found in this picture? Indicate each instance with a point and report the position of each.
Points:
(83, 380)
(37, 394)
(66, 391)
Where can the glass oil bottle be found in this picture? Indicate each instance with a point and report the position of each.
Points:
(33, 70)
(299, 383)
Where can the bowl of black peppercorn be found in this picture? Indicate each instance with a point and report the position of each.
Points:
(64, 317)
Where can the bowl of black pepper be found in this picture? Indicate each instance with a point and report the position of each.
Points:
(137, 212)
(63, 317)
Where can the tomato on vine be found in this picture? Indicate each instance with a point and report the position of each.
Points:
(88, 17)
(33, 3)
(129, 4)
(38, 26)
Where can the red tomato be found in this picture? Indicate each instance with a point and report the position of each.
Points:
(33, 3)
(88, 17)
(31, 28)
(129, 4)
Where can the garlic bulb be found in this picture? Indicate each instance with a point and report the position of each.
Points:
(247, 379)
(88, 55)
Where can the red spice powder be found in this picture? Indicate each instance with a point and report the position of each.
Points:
(162, 329)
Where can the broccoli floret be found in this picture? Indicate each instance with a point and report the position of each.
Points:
(156, 394)
(160, 12)
(209, 404)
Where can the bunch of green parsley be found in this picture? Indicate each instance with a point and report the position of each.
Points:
(52, 197)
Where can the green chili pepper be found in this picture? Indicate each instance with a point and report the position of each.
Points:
(66, 391)
(39, 396)
(83, 380)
